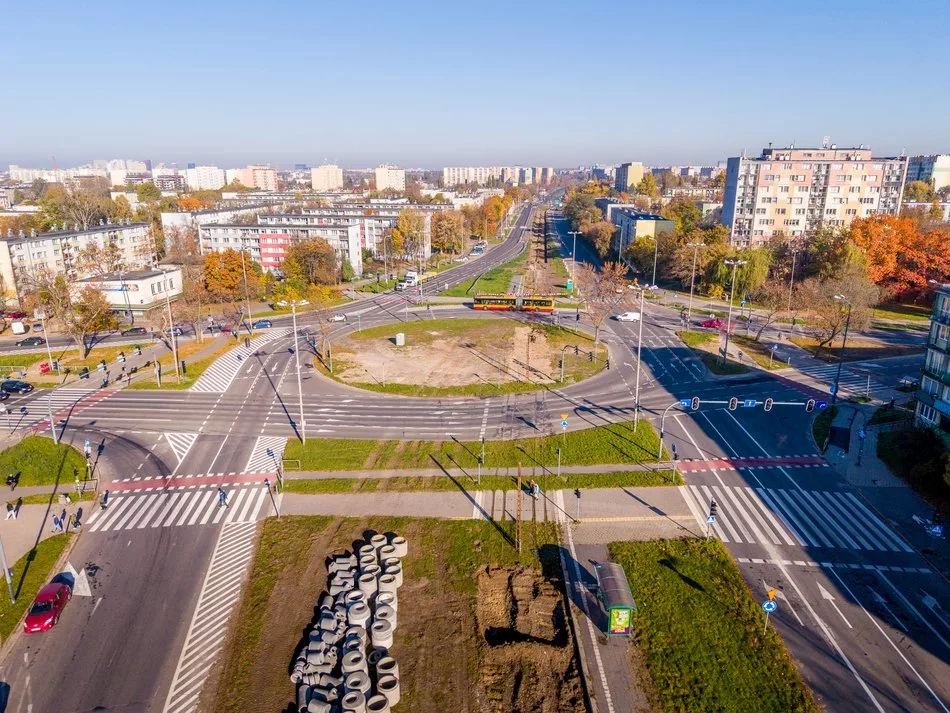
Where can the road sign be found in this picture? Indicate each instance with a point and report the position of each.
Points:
(564, 424)
(822, 404)
(935, 530)
(769, 606)
(862, 434)
(750, 403)
(711, 520)
(833, 389)
(685, 402)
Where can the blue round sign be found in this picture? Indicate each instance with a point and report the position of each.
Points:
(768, 606)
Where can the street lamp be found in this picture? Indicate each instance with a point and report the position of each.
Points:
(303, 425)
(636, 394)
(573, 259)
(656, 250)
(844, 340)
(692, 278)
(732, 294)
(171, 325)
(791, 280)
(247, 298)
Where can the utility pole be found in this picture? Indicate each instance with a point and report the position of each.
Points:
(732, 294)
(844, 340)
(247, 296)
(791, 280)
(573, 261)
(303, 424)
(171, 327)
(6, 573)
(636, 396)
(692, 279)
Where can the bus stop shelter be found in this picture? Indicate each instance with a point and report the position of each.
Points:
(616, 597)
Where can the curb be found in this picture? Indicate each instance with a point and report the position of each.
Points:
(589, 701)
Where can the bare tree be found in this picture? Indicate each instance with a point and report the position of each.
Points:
(831, 313)
(602, 291)
(769, 300)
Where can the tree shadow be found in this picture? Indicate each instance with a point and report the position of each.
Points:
(458, 484)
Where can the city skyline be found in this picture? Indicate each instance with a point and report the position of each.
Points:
(447, 87)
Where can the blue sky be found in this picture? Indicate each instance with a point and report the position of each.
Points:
(428, 84)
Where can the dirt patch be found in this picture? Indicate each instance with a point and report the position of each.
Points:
(540, 277)
(527, 661)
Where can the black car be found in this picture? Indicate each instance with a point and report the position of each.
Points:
(31, 342)
(134, 330)
(13, 386)
(177, 331)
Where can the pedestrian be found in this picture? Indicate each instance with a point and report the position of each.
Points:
(12, 481)
(57, 524)
(222, 497)
(11, 513)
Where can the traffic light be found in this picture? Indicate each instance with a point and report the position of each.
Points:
(577, 493)
(733, 403)
(608, 363)
(590, 356)
(768, 404)
(695, 403)
(713, 507)
(810, 405)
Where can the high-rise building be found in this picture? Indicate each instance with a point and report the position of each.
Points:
(263, 178)
(390, 177)
(934, 168)
(547, 175)
(628, 175)
(327, 177)
(792, 191)
(527, 175)
(933, 396)
(202, 178)
(479, 175)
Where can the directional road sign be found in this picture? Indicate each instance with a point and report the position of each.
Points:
(936, 530)
(711, 520)
(750, 403)
(769, 606)
(833, 389)
(821, 404)
(685, 402)
(564, 424)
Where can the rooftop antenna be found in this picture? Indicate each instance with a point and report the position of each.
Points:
(825, 140)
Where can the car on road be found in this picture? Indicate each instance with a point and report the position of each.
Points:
(131, 331)
(714, 323)
(628, 317)
(15, 386)
(177, 331)
(262, 324)
(337, 318)
(31, 342)
(15, 315)
(46, 608)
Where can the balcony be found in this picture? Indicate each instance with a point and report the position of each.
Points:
(942, 376)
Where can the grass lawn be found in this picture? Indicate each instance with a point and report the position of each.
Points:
(918, 455)
(614, 443)
(914, 313)
(377, 287)
(494, 281)
(821, 426)
(703, 343)
(30, 573)
(756, 351)
(701, 632)
(438, 656)
(856, 350)
(40, 462)
(630, 479)
(903, 412)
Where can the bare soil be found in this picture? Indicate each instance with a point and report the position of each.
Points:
(539, 276)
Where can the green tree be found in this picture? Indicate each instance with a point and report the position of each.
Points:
(599, 235)
(647, 186)
(448, 231)
(312, 262)
(121, 209)
(830, 314)
(918, 192)
(580, 210)
(409, 232)
(147, 191)
(684, 213)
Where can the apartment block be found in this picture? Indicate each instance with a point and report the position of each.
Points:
(479, 175)
(934, 168)
(390, 178)
(628, 175)
(794, 191)
(204, 178)
(633, 223)
(23, 257)
(263, 178)
(547, 175)
(327, 177)
(933, 396)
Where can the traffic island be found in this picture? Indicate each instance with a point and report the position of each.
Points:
(461, 357)
(706, 347)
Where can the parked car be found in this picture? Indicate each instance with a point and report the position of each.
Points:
(15, 386)
(262, 324)
(37, 327)
(31, 342)
(337, 318)
(46, 608)
(714, 323)
(131, 331)
(628, 317)
(15, 315)
(177, 331)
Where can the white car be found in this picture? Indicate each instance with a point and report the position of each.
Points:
(337, 318)
(628, 317)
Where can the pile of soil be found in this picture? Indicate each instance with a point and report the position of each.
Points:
(526, 660)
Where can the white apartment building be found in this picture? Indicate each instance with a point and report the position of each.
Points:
(794, 191)
(390, 177)
(24, 256)
(135, 292)
(204, 178)
(263, 178)
(479, 175)
(328, 177)
(268, 244)
(934, 168)
(191, 219)
(547, 175)
(526, 175)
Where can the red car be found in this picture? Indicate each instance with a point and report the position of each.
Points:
(15, 315)
(48, 605)
(715, 323)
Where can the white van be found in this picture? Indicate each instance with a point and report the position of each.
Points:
(18, 328)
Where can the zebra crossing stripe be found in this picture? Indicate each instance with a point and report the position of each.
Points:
(181, 443)
(218, 377)
(267, 454)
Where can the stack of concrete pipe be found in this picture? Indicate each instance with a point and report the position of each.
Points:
(346, 666)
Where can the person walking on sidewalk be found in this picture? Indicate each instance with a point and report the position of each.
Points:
(11, 512)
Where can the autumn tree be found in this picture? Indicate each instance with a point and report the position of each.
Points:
(647, 186)
(224, 274)
(580, 210)
(82, 313)
(448, 231)
(599, 235)
(602, 291)
(408, 234)
(770, 299)
(829, 313)
(918, 192)
(97, 260)
(313, 262)
(120, 209)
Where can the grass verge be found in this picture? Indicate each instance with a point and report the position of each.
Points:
(41, 462)
(48, 498)
(821, 426)
(30, 573)
(620, 479)
(495, 280)
(701, 632)
(757, 352)
(856, 350)
(919, 456)
(913, 313)
(892, 415)
(704, 344)
(617, 443)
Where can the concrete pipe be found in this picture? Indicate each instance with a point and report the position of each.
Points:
(400, 546)
(373, 569)
(387, 583)
(368, 585)
(354, 597)
(358, 681)
(329, 694)
(358, 615)
(303, 698)
(297, 674)
(367, 549)
(339, 589)
(386, 599)
(328, 681)
(357, 631)
(382, 634)
(396, 571)
(353, 661)
(387, 666)
(391, 562)
(352, 644)
(377, 704)
(386, 552)
(318, 706)
(354, 702)
(385, 613)
(373, 657)
(326, 601)
(378, 541)
(389, 687)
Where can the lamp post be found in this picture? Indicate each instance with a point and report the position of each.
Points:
(791, 280)
(692, 277)
(844, 340)
(41, 313)
(171, 326)
(247, 297)
(636, 394)
(656, 250)
(303, 425)
(732, 293)
(573, 260)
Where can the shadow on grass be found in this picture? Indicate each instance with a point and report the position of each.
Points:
(481, 511)
(689, 581)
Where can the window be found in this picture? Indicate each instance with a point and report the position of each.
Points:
(831, 211)
(760, 211)
(802, 189)
(837, 166)
(834, 189)
(781, 211)
(798, 177)
(769, 177)
(799, 211)
(854, 189)
(796, 200)
(867, 201)
(784, 189)
(851, 211)
(874, 189)
(792, 221)
(927, 413)
(870, 179)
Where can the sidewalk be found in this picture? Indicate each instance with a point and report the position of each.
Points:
(511, 471)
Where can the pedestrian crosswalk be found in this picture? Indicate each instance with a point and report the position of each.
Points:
(63, 402)
(267, 454)
(179, 507)
(807, 518)
(218, 377)
(852, 381)
(181, 443)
